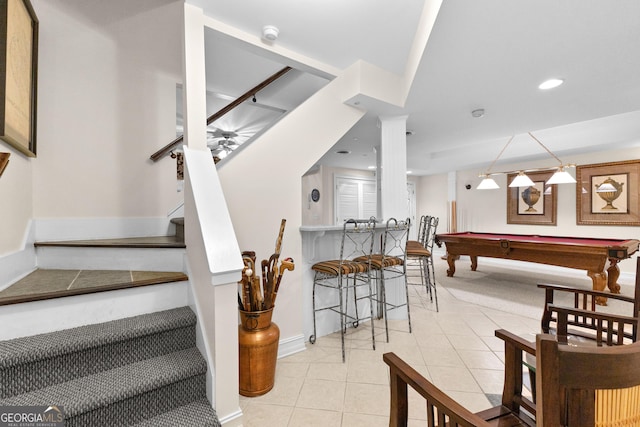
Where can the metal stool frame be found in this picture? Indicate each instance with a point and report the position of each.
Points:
(346, 273)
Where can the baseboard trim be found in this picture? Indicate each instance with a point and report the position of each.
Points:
(291, 345)
(232, 420)
(17, 265)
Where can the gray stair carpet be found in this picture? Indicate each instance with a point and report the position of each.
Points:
(141, 370)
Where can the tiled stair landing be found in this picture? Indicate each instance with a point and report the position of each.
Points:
(47, 283)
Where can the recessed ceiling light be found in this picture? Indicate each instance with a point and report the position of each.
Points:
(371, 167)
(409, 172)
(550, 84)
(343, 152)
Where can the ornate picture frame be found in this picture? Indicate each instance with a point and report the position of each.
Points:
(18, 75)
(536, 205)
(4, 161)
(607, 193)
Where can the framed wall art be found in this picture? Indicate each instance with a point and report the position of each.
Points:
(534, 205)
(18, 74)
(607, 193)
(4, 161)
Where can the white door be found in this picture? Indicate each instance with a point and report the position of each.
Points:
(354, 198)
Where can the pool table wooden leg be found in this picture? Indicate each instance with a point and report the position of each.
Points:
(599, 279)
(474, 262)
(451, 260)
(613, 272)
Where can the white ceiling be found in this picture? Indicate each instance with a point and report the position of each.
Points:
(489, 54)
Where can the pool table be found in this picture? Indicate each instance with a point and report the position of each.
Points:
(582, 253)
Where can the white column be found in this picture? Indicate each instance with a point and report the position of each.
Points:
(393, 191)
(194, 91)
(216, 302)
(392, 168)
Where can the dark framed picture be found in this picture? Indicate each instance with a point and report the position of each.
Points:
(4, 161)
(607, 193)
(533, 205)
(315, 194)
(18, 75)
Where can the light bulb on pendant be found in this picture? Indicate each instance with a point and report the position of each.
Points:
(521, 180)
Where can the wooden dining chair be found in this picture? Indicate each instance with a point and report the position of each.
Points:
(579, 323)
(582, 386)
(514, 410)
(578, 386)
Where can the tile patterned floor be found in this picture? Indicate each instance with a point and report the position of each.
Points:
(454, 348)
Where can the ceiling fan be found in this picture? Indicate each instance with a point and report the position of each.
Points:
(221, 142)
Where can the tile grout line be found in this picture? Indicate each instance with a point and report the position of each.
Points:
(74, 279)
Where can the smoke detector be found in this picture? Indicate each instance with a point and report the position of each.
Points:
(270, 32)
(478, 113)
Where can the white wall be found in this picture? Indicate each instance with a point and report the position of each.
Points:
(263, 184)
(107, 81)
(432, 196)
(16, 200)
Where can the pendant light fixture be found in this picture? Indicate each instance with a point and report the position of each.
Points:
(561, 176)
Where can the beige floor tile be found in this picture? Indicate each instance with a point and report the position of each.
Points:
(425, 325)
(441, 357)
(467, 342)
(328, 371)
(408, 353)
(491, 381)
(285, 391)
(438, 341)
(481, 359)
(368, 372)
(322, 394)
(260, 415)
(313, 418)
(457, 327)
(453, 379)
(367, 355)
(364, 420)
(370, 399)
(493, 343)
(285, 368)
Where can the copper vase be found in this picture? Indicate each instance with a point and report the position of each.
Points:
(258, 339)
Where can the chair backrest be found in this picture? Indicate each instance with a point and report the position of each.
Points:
(423, 229)
(431, 233)
(584, 300)
(583, 386)
(394, 240)
(357, 238)
(603, 328)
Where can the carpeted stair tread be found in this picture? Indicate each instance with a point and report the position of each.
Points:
(195, 414)
(44, 346)
(105, 388)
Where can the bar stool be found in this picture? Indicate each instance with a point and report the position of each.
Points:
(390, 263)
(416, 250)
(422, 251)
(345, 274)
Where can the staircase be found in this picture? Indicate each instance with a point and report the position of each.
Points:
(138, 371)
